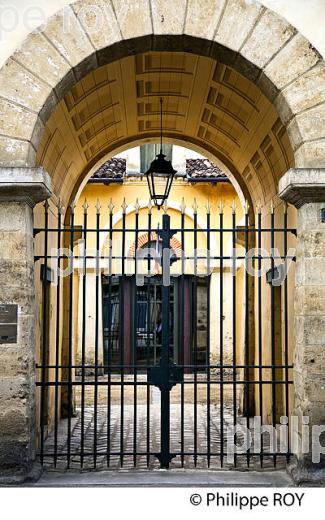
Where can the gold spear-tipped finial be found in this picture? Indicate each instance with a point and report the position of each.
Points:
(124, 206)
(246, 207)
(208, 207)
(183, 206)
(221, 206)
(98, 206)
(85, 207)
(234, 207)
(72, 206)
(165, 207)
(137, 206)
(60, 207)
(272, 206)
(111, 207)
(259, 207)
(195, 206)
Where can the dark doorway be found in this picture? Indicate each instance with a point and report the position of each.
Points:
(132, 327)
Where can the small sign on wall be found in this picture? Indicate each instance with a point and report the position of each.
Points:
(8, 323)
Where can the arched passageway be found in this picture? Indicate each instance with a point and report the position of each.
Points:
(206, 103)
(83, 97)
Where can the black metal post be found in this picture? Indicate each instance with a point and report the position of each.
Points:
(165, 457)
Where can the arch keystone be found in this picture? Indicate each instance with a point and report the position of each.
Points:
(168, 16)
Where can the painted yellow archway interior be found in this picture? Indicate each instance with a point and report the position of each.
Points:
(206, 104)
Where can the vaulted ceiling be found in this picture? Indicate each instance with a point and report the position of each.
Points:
(206, 104)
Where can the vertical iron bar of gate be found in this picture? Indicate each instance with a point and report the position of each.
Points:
(57, 336)
(234, 324)
(135, 342)
(260, 345)
(182, 327)
(207, 356)
(70, 394)
(165, 456)
(273, 326)
(286, 331)
(246, 371)
(148, 332)
(109, 336)
(44, 330)
(122, 335)
(97, 274)
(195, 318)
(83, 335)
(221, 336)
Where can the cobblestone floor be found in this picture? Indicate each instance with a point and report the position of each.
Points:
(140, 462)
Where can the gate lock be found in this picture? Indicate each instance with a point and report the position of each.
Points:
(157, 376)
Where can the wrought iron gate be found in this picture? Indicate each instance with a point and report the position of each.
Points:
(145, 359)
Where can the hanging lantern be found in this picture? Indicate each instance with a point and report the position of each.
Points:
(160, 174)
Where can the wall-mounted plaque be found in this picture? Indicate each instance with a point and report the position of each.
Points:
(8, 323)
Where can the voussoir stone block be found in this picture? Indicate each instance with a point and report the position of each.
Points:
(15, 120)
(307, 90)
(168, 16)
(66, 33)
(21, 86)
(308, 126)
(270, 29)
(99, 21)
(311, 155)
(134, 17)
(40, 57)
(202, 17)
(296, 57)
(14, 152)
(238, 20)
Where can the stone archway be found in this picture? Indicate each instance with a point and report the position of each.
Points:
(262, 49)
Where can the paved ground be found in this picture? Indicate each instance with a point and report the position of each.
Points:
(114, 438)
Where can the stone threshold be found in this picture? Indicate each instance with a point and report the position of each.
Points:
(163, 478)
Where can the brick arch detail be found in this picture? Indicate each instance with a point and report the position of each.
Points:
(144, 239)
